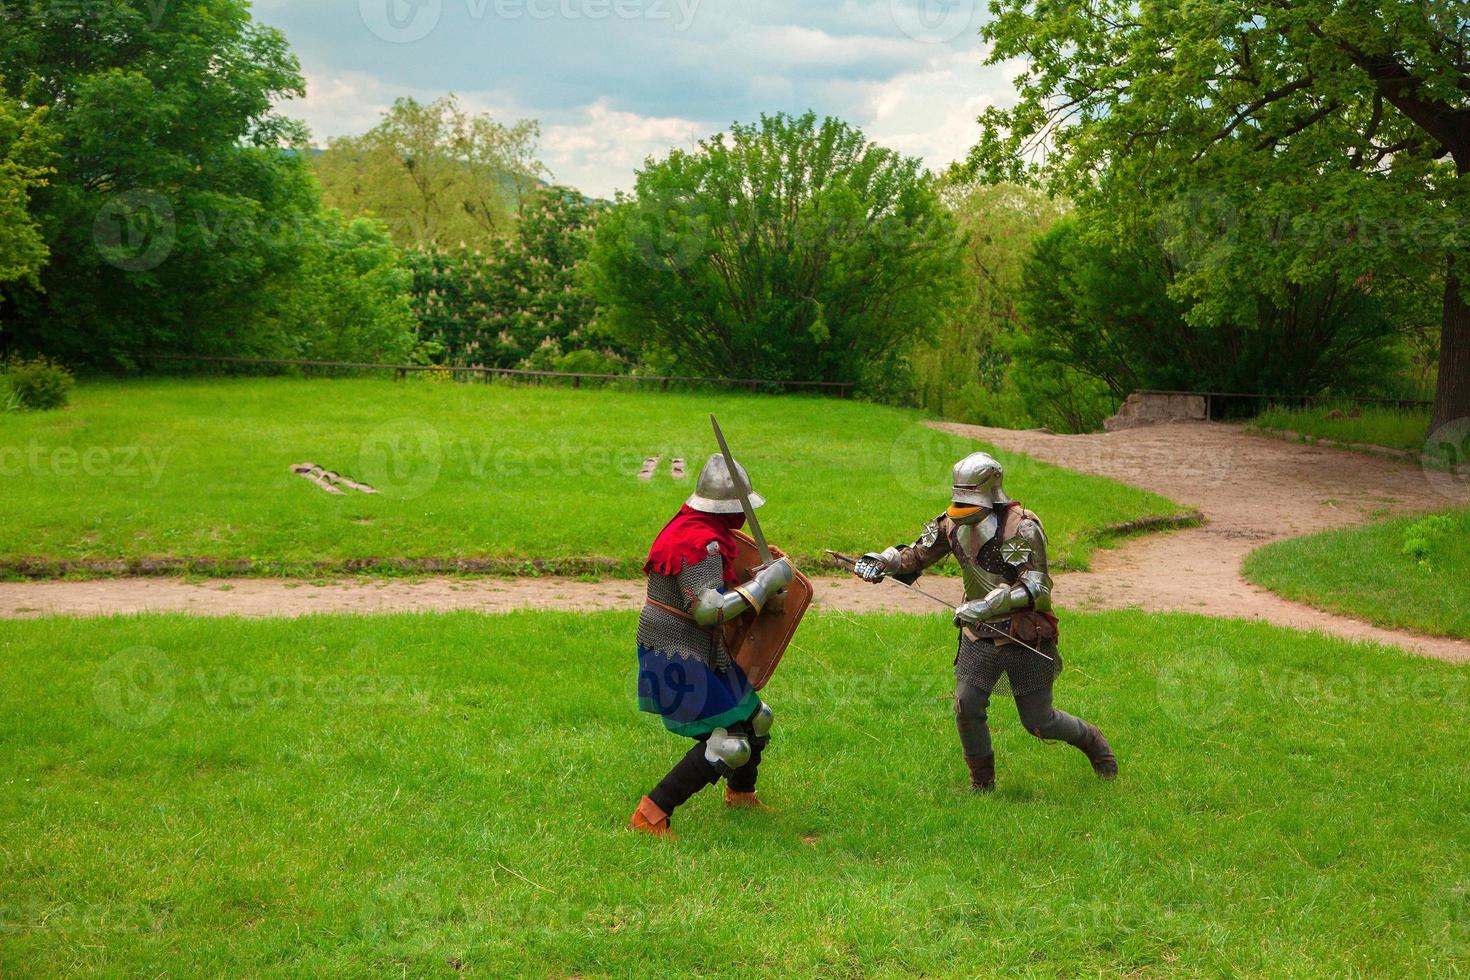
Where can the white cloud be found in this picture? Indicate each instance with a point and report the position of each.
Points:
(600, 124)
(598, 149)
(928, 112)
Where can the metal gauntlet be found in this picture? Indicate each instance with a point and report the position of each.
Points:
(714, 608)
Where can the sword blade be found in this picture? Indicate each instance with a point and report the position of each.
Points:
(743, 490)
(849, 560)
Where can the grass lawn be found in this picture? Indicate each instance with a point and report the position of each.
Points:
(1366, 572)
(1393, 428)
(199, 469)
(415, 795)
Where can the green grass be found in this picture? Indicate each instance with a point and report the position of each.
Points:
(400, 795)
(199, 469)
(1392, 428)
(1365, 572)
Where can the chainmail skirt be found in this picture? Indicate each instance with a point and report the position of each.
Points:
(1008, 668)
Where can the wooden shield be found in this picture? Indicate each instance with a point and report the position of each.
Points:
(757, 643)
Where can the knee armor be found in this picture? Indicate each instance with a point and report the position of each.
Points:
(761, 721)
(726, 751)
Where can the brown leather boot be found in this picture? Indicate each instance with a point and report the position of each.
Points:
(1098, 752)
(982, 772)
(736, 800)
(649, 819)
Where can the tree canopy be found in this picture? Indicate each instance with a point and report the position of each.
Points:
(179, 215)
(26, 160)
(788, 248)
(1277, 145)
(436, 173)
(500, 304)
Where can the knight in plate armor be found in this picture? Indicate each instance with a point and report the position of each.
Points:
(685, 673)
(1001, 550)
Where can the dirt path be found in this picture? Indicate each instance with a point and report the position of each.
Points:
(1251, 490)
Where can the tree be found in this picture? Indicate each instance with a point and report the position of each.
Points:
(348, 299)
(438, 175)
(787, 249)
(174, 205)
(1310, 143)
(26, 160)
(1106, 311)
(964, 374)
(514, 298)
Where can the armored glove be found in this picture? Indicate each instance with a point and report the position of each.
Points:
(871, 567)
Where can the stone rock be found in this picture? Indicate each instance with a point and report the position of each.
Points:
(1154, 407)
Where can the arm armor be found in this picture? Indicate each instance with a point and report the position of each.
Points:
(714, 607)
(1032, 589)
(907, 562)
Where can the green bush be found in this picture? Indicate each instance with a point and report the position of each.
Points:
(791, 248)
(1421, 537)
(39, 383)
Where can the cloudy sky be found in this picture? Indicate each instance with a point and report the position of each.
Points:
(614, 81)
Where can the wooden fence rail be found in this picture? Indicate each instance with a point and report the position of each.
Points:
(842, 389)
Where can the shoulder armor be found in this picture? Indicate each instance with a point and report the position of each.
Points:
(930, 534)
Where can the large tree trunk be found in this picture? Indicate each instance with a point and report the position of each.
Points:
(1452, 396)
